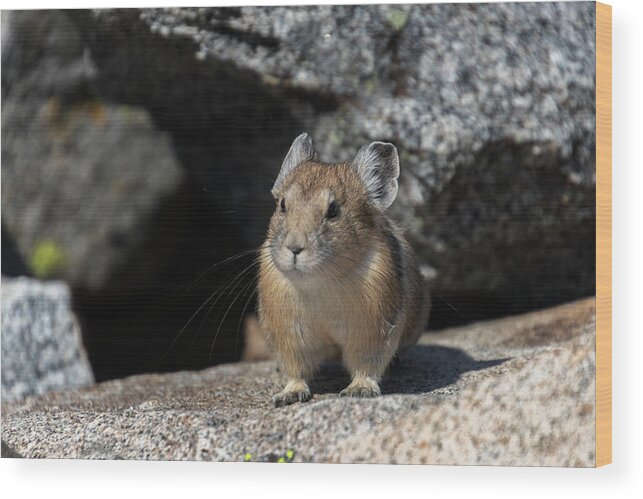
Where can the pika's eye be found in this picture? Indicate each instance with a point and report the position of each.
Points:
(333, 210)
(282, 205)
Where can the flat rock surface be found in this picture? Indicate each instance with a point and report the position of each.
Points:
(515, 391)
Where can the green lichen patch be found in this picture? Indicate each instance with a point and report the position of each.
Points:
(47, 258)
(287, 457)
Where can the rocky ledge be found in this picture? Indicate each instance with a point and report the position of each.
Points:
(515, 391)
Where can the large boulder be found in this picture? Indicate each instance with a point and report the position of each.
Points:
(42, 348)
(518, 391)
(491, 106)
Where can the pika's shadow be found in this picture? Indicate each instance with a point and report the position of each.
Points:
(422, 369)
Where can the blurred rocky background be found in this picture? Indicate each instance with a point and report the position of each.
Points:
(139, 148)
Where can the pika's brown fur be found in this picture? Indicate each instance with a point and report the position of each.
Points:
(337, 279)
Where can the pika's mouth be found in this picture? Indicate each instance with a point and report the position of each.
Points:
(293, 264)
(297, 266)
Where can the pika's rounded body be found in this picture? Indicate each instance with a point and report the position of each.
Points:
(337, 279)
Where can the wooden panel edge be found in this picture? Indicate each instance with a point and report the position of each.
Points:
(603, 234)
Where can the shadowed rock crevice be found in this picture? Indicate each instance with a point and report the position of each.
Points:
(8, 452)
(491, 217)
(12, 262)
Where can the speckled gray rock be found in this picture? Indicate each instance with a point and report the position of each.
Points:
(490, 105)
(42, 349)
(516, 391)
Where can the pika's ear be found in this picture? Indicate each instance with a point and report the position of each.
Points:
(378, 165)
(301, 150)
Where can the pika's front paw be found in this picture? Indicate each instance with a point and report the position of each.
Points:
(363, 389)
(359, 391)
(287, 397)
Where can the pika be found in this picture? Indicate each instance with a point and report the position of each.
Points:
(337, 279)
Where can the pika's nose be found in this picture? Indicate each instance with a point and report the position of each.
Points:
(295, 242)
(295, 248)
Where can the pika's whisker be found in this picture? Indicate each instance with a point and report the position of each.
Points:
(229, 284)
(193, 316)
(224, 317)
(227, 260)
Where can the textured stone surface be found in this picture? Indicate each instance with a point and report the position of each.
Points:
(42, 349)
(516, 391)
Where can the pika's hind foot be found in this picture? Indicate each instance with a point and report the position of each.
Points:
(297, 391)
(362, 388)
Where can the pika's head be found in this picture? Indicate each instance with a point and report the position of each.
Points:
(327, 215)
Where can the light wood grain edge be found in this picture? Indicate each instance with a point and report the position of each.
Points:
(603, 234)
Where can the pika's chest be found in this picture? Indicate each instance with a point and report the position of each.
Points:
(335, 318)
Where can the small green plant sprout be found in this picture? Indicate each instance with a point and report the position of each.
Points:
(397, 18)
(273, 457)
(47, 258)
(287, 457)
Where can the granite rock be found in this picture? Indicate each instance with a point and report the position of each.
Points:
(42, 348)
(490, 105)
(514, 391)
